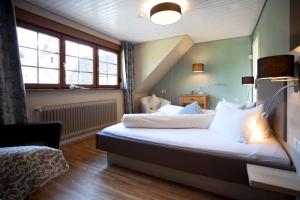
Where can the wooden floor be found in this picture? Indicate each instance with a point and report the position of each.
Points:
(89, 178)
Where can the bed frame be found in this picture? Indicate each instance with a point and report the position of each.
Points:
(217, 173)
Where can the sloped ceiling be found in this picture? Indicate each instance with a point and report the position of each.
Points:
(152, 60)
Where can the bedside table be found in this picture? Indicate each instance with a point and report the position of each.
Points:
(279, 180)
(201, 99)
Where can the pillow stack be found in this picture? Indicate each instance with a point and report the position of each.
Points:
(238, 122)
(154, 102)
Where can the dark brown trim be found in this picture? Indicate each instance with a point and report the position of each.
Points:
(42, 86)
(25, 16)
(96, 67)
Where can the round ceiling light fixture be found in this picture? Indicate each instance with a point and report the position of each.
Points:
(165, 13)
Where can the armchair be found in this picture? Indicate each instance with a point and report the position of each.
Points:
(145, 108)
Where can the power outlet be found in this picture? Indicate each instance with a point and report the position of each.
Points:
(163, 91)
(297, 145)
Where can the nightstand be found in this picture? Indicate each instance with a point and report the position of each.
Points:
(201, 99)
(283, 181)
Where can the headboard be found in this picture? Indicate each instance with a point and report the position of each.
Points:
(278, 115)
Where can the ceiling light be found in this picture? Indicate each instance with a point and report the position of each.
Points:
(165, 13)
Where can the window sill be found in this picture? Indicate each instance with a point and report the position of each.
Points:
(75, 89)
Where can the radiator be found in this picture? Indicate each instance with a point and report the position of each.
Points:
(80, 118)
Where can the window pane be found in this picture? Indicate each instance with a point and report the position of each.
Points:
(48, 60)
(50, 76)
(71, 48)
(112, 69)
(27, 38)
(85, 51)
(28, 56)
(71, 77)
(85, 65)
(112, 80)
(112, 58)
(29, 74)
(85, 78)
(102, 80)
(102, 68)
(48, 43)
(102, 55)
(71, 63)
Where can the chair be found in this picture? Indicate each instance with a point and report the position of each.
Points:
(145, 108)
(29, 157)
(39, 134)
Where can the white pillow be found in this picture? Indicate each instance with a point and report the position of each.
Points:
(248, 105)
(230, 104)
(154, 102)
(235, 124)
(170, 109)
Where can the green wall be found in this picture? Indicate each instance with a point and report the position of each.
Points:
(273, 29)
(226, 61)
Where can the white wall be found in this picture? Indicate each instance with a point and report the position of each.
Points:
(152, 60)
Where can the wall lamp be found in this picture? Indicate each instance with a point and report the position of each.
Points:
(198, 67)
(277, 69)
(248, 80)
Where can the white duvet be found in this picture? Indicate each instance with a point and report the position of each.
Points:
(162, 121)
(268, 150)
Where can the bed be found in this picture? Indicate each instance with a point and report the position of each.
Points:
(195, 157)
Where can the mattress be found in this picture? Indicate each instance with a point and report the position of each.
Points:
(204, 140)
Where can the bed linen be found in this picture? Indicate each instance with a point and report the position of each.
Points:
(268, 151)
(162, 121)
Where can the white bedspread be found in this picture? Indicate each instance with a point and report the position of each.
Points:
(205, 140)
(162, 121)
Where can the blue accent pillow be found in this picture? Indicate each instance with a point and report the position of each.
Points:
(192, 108)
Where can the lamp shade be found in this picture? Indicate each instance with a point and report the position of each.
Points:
(198, 67)
(275, 67)
(247, 80)
(165, 13)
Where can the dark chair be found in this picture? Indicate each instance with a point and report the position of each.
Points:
(40, 134)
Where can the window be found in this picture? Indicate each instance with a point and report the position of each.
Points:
(78, 63)
(53, 60)
(39, 54)
(108, 68)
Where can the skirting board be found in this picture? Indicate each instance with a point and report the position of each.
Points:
(217, 186)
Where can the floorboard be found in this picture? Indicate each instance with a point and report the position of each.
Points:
(89, 178)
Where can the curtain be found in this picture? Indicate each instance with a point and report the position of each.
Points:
(128, 76)
(12, 92)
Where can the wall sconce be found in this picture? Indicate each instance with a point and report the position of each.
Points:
(276, 68)
(198, 67)
(248, 80)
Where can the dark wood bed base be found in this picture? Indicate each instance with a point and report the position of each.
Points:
(222, 167)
